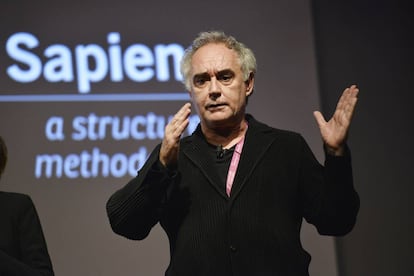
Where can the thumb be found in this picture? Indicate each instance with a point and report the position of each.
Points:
(319, 118)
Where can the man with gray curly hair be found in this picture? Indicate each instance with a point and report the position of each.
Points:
(231, 197)
(246, 57)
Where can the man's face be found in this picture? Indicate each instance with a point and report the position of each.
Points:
(218, 88)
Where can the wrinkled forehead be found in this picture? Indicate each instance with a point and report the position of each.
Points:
(214, 57)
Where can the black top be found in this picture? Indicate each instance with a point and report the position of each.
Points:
(23, 250)
(255, 231)
(221, 159)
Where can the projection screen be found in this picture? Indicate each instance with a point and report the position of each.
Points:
(87, 88)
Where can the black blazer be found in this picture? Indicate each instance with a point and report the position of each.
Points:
(255, 231)
(23, 250)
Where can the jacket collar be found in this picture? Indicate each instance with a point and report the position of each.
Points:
(258, 139)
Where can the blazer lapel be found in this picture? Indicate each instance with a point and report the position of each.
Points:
(256, 144)
(194, 149)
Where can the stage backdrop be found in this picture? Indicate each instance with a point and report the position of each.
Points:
(87, 87)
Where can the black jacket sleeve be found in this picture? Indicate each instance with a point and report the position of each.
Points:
(135, 208)
(330, 200)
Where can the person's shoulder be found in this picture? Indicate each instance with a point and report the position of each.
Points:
(287, 136)
(15, 198)
(196, 134)
(279, 132)
(19, 206)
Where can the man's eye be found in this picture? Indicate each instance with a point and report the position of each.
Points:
(199, 81)
(225, 77)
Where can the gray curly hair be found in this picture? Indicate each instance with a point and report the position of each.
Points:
(246, 56)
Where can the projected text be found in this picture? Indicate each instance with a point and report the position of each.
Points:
(95, 162)
(91, 63)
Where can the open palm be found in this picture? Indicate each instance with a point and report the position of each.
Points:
(334, 131)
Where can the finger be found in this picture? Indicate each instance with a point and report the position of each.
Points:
(354, 91)
(181, 128)
(347, 98)
(179, 122)
(184, 109)
(351, 99)
(349, 110)
(319, 118)
(182, 114)
(178, 127)
(342, 100)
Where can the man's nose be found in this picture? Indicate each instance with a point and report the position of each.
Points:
(214, 88)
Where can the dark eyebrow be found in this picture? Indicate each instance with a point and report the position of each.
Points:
(206, 75)
(225, 71)
(201, 75)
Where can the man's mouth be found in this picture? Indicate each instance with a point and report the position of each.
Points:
(215, 105)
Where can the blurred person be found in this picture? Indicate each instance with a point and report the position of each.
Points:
(23, 250)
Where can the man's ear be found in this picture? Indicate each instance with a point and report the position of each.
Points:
(249, 84)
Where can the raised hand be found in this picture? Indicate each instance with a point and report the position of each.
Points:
(335, 131)
(172, 134)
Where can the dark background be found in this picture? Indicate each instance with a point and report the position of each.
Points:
(371, 43)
